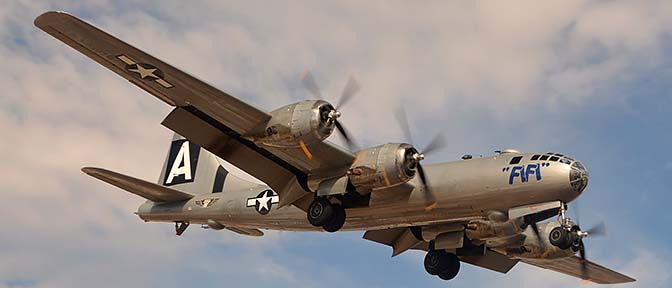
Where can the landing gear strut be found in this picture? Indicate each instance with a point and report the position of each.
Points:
(441, 263)
(322, 213)
(567, 235)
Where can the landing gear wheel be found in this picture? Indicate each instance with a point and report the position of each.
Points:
(445, 265)
(320, 212)
(452, 271)
(337, 219)
(560, 238)
(436, 261)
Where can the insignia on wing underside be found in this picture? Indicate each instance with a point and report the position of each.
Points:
(145, 71)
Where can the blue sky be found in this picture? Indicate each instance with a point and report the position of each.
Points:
(586, 78)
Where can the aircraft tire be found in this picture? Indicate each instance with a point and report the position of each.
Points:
(320, 212)
(560, 238)
(337, 219)
(452, 269)
(437, 261)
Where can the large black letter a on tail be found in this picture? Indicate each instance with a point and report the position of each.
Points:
(182, 161)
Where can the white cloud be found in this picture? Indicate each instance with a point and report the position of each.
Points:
(459, 66)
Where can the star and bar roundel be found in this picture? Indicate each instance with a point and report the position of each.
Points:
(145, 71)
(264, 201)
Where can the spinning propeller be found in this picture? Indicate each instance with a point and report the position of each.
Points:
(414, 157)
(351, 88)
(598, 229)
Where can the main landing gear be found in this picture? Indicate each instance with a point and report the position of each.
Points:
(329, 216)
(441, 263)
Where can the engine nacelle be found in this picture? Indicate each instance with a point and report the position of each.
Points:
(382, 166)
(306, 122)
(533, 247)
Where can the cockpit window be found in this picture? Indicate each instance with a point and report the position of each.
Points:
(516, 160)
(535, 157)
(554, 158)
(578, 165)
(558, 154)
(565, 161)
(545, 157)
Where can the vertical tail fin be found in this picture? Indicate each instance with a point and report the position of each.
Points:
(191, 169)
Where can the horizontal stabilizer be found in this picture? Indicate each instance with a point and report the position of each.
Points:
(150, 191)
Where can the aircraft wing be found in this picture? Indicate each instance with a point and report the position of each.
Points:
(572, 266)
(205, 115)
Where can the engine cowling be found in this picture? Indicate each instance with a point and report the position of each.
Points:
(383, 166)
(306, 122)
(532, 247)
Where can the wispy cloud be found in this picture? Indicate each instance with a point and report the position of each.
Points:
(477, 69)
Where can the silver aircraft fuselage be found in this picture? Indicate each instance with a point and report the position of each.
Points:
(464, 190)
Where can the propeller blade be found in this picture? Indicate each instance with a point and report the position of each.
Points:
(310, 84)
(535, 229)
(597, 230)
(437, 143)
(345, 135)
(584, 265)
(403, 122)
(430, 200)
(351, 88)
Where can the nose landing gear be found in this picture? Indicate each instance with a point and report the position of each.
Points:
(441, 263)
(567, 235)
(322, 213)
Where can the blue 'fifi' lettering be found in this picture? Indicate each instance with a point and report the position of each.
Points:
(524, 173)
(515, 172)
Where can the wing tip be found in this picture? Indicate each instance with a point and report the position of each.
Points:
(49, 17)
(90, 170)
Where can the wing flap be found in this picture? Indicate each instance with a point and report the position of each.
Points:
(400, 239)
(492, 260)
(572, 266)
(150, 191)
(265, 166)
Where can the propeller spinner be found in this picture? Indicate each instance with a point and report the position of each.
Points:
(414, 157)
(351, 88)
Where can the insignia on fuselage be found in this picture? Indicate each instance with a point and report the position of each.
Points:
(205, 203)
(264, 201)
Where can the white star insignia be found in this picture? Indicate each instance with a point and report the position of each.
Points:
(263, 201)
(144, 72)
